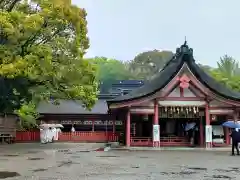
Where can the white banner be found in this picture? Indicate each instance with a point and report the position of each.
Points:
(156, 133)
(208, 133)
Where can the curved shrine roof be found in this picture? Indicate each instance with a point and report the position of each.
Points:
(183, 55)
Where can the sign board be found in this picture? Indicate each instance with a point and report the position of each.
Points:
(156, 133)
(208, 133)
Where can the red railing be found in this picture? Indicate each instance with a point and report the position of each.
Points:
(31, 136)
(141, 141)
(164, 141)
(27, 136)
(89, 136)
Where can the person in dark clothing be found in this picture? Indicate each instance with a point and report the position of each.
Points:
(235, 140)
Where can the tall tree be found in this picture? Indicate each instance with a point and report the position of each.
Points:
(228, 72)
(42, 43)
(111, 69)
(145, 65)
(228, 66)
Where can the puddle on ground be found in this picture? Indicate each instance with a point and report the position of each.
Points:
(197, 168)
(82, 151)
(39, 170)
(221, 177)
(10, 155)
(66, 163)
(231, 170)
(63, 150)
(8, 174)
(136, 167)
(107, 156)
(181, 173)
(35, 159)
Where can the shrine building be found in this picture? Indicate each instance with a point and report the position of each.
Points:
(156, 113)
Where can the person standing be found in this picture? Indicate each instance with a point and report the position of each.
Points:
(235, 140)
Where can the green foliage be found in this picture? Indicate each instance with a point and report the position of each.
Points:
(111, 69)
(227, 73)
(41, 48)
(228, 66)
(145, 65)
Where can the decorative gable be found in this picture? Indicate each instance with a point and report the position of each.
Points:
(175, 92)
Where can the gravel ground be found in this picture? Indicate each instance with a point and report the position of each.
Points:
(73, 162)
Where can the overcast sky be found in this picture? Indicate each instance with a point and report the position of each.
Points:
(123, 28)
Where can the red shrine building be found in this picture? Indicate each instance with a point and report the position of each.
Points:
(156, 113)
(153, 113)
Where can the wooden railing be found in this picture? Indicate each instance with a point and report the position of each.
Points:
(31, 136)
(164, 141)
(141, 141)
(89, 136)
(27, 136)
(173, 139)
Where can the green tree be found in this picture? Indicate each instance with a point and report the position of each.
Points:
(111, 69)
(228, 66)
(228, 72)
(42, 43)
(145, 65)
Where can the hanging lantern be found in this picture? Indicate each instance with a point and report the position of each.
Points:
(194, 110)
(178, 110)
(174, 110)
(171, 110)
(165, 109)
(187, 110)
(181, 109)
(214, 118)
(197, 109)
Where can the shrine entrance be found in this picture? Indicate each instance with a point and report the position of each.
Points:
(172, 121)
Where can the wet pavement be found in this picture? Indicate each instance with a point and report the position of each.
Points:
(79, 162)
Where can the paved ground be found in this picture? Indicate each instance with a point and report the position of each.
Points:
(70, 162)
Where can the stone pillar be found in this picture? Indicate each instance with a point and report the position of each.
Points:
(155, 122)
(128, 128)
(208, 128)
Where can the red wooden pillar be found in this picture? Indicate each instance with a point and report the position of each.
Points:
(227, 137)
(128, 128)
(155, 122)
(208, 129)
(201, 132)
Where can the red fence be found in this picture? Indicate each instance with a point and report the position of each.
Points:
(27, 136)
(31, 136)
(89, 136)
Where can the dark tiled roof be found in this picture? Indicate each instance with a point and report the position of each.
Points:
(72, 107)
(183, 55)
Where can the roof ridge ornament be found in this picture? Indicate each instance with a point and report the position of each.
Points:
(184, 49)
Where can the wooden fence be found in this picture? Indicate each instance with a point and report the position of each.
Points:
(33, 136)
